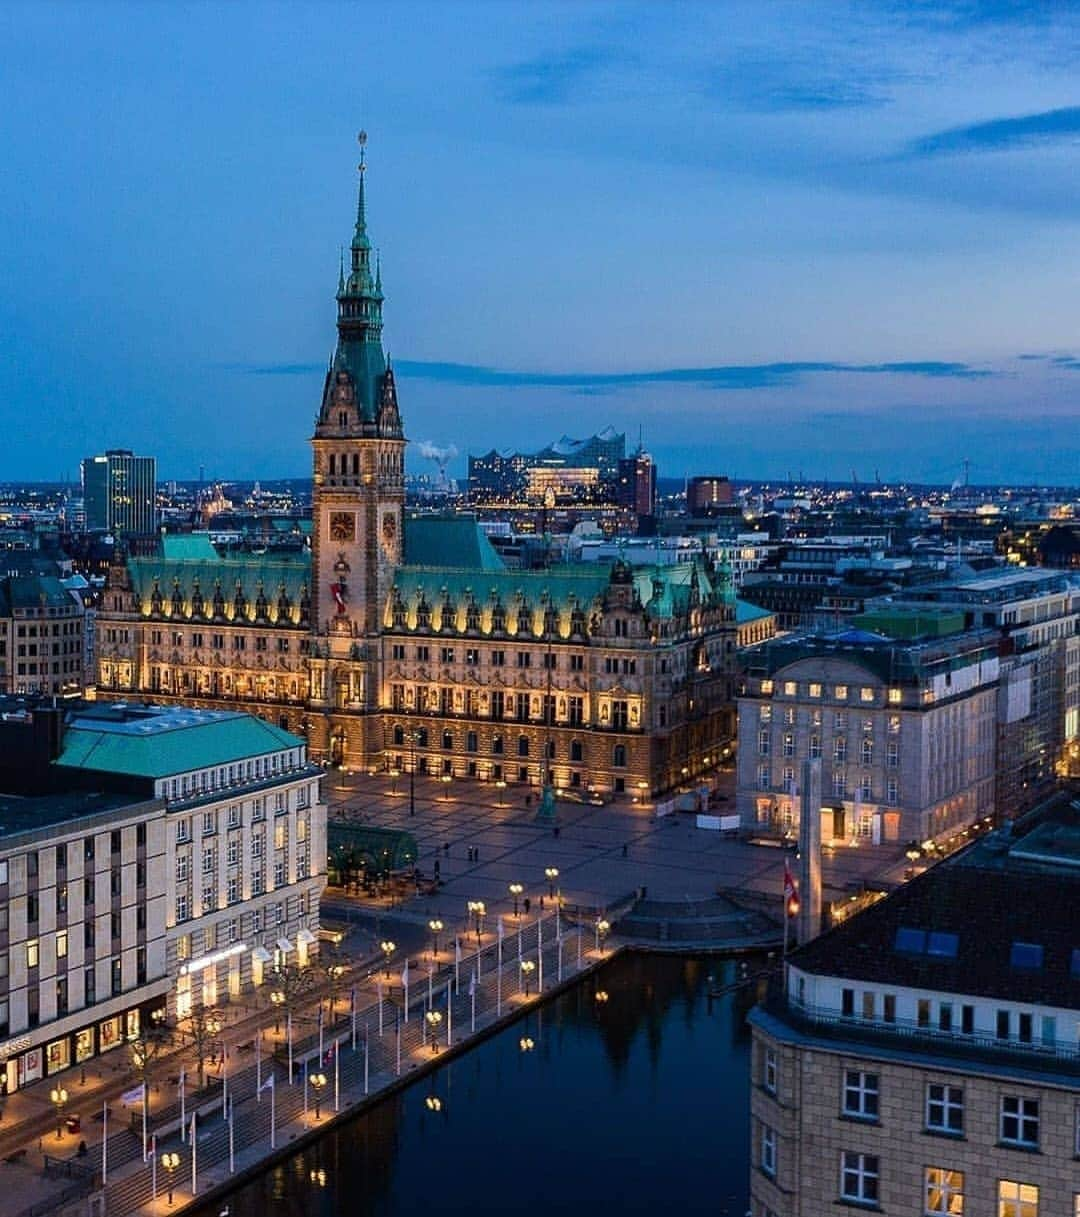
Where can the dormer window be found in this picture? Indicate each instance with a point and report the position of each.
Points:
(343, 419)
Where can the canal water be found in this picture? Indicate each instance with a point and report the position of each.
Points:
(636, 1104)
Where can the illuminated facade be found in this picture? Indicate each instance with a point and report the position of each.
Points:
(406, 642)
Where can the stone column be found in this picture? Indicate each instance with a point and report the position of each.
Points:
(809, 920)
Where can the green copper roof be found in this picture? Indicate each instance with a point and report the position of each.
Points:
(746, 612)
(254, 574)
(188, 547)
(162, 742)
(448, 541)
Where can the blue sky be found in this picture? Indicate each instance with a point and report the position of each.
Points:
(774, 236)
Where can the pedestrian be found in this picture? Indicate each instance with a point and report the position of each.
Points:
(624, 849)
(526, 906)
(541, 904)
(446, 850)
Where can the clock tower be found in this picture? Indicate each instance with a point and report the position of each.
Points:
(359, 458)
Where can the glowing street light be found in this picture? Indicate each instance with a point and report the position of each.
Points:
(388, 948)
(433, 1103)
(601, 997)
(515, 890)
(277, 998)
(170, 1161)
(477, 909)
(317, 1081)
(500, 786)
(526, 1043)
(527, 969)
(59, 1097)
(434, 1018)
(602, 927)
(551, 873)
(436, 927)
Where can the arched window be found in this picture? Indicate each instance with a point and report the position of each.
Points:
(618, 756)
(523, 745)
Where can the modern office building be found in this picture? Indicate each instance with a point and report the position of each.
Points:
(704, 495)
(905, 731)
(82, 911)
(399, 642)
(1036, 614)
(923, 1056)
(120, 493)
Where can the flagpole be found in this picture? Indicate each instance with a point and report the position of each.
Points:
(378, 991)
(258, 1066)
(153, 1172)
(337, 1075)
(473, 987)
(397, 1024)
(288, 1024)
(352, 1016)
(194, 1154)
(365, 1059)
(457, 964)
(320, 1031)
(429, 993)
(405, 984)
(104, 1143)
(449, 1018)
(232, 1147)
(273, 1110)
(540, 954)
(305, 1084)
(145, 1097)
(224, 1082)
(183, 1104)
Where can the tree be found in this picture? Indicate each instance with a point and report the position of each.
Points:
(144, 1050)
(204, 1026)
(332, 964)
(293, 982)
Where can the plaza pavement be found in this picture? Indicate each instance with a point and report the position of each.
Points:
(603, 853)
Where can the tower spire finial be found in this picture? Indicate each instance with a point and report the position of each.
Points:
(361, 210)
(341, 269)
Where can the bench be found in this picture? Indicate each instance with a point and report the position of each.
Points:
(17, 1156)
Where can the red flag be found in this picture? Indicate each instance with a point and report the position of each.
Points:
(791, 888)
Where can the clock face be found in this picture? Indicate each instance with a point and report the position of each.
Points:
(342, 526)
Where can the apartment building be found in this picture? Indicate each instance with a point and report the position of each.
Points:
(923, 1056)
(904, 729)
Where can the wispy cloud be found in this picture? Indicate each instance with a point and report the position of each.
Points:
(553, 79)
(731, 376)
(776, 83)
(1003, 134)
(726, 376)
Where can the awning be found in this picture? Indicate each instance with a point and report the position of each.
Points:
(283, 944)
(262, 955)
(306, 937)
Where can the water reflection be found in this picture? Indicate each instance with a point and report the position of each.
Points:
(639, 1102)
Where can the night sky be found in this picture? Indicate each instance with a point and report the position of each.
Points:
(773, 236)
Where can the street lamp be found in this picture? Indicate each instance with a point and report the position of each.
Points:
(602, 927)
(446, 779)
(317, 1081)
(433, 1103)
(527, 968)
(477, 908)
(551, 873)
(601, 996)
(515, 890)
(59, 1097)
(278, 1000)
(435, 926)
(526, 1043)
(500, 786)
(170, 1161)
(434, 1018)
(388, 948)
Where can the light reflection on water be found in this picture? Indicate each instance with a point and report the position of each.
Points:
(638, 1104)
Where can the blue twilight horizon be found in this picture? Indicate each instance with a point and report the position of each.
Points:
(773, 236)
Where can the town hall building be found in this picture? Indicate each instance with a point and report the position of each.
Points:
(401, 643)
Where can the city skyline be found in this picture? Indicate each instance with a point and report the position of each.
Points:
(817, 240)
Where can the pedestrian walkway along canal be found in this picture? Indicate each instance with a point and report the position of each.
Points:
(628, 1092)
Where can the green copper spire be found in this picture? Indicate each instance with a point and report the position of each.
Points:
(341, 272)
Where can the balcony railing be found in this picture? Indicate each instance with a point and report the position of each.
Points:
(908, 1036)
